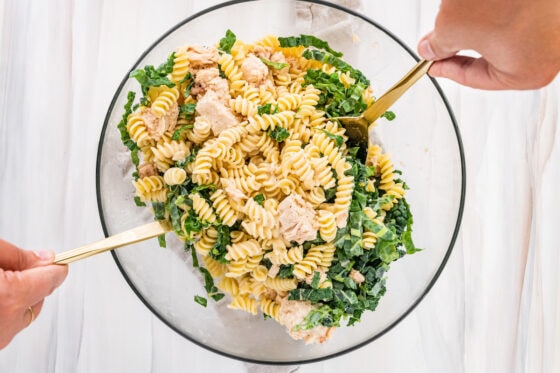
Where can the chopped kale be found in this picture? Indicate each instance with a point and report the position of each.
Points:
(267, 109)
(279, 134)
(274, 65)
(259, 198)
(307, 41)
(154, 77)
(227, 41)
(389, 115)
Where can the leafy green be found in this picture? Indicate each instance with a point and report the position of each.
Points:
(315, 280)
(267, 109)
(161, 240)
(286, 271)
(307, 41)
(178, 133)
(259, 198)
(227, 41)
(312, 295)
(274, 65)
(186, 111)
(279, 134)
(159, 210)
(189, 159)
(331, 59)
(154, 77)
(337, 138)
(125, 137)
(209, 286)
(190, 82)
(389, 115)
(200, 300)
(138, 201)
(335, 98)
(330, 194)
(323, 315)
(219, 250)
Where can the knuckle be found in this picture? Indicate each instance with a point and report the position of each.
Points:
(9, 292)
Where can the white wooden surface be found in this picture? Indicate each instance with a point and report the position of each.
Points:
(494, 309)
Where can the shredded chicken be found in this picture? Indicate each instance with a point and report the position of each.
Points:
(157, 126)
(254, 70)
(297, 219)
(219, 116)
(292, 313)
(201, 57)
(210, 80)
(232, 191)
(213, 100)
(357, 276)
(147, 169)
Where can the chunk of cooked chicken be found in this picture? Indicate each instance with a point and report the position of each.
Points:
(297, 219)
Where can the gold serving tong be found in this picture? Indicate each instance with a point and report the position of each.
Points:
(357, 128)
(128, 237)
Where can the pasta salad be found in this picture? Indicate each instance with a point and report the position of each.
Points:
(236, 146)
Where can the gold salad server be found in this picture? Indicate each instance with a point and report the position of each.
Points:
(357, 128)
(128, 237)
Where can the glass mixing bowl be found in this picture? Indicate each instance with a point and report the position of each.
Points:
(424, 142)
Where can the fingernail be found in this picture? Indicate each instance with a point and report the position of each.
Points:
(425, 50)
(44, 254)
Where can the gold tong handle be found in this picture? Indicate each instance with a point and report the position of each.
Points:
(128, 237)
(383, 103)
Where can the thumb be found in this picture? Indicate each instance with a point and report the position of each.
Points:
(432, 48)
(34, 284)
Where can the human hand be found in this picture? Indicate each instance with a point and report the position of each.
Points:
(26, 278)
(519, 43)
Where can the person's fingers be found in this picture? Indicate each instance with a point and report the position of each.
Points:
(471, 72)
(31, 286)
(13, 258)
(433, 48)
(30, 314)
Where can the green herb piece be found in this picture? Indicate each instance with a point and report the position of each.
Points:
(330, 194)
(219, 250)
(267, 109)
(189, 159)
(259, 198)
(315, 280)
(138, 201)
(201, 300)
(125, 137)
(227, 41)
(159, 210)
(307, 41)
(274, 65)
(286, 271)
(312, 295)
(152, 77)
(339, 140)
(186, 111)
(279, 134)
(178, 133)
(335, 98)
(193, 224)
(161, 240)
(389, 115)
(329, 58)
